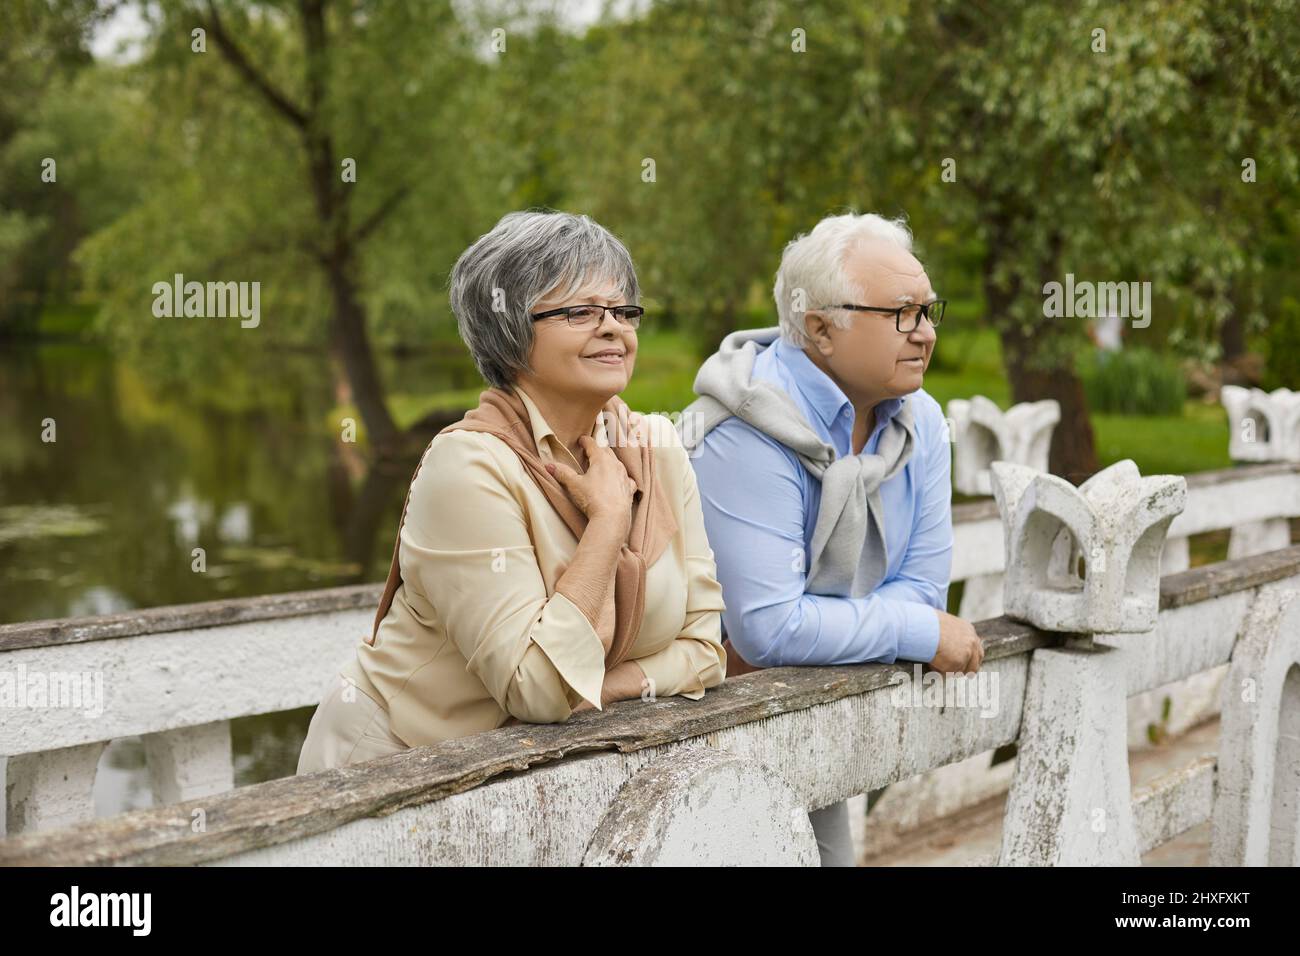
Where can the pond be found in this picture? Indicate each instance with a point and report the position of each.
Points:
(146, 465)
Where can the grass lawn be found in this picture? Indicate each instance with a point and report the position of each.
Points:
(970, 363)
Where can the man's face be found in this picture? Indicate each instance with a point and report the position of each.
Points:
(871, 357)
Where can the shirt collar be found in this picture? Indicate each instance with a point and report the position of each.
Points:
(887, 409)
(549, 447)
(826, 398)
(822, 394)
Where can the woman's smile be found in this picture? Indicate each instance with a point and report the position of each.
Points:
(607, 356)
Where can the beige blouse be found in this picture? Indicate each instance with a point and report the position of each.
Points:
(477, 632)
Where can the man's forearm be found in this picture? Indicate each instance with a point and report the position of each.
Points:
(823, 630)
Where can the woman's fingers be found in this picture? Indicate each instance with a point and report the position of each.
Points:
(604, 474)
(565, 475)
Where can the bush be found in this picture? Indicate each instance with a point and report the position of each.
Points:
(1133, 381)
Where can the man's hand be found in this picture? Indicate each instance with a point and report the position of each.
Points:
(960, 649)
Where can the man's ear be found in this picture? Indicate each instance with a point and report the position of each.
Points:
(817, 327)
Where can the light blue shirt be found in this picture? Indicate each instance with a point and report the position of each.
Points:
(760, 508)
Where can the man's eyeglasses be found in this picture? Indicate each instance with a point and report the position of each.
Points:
(590, 316)
(906, 317)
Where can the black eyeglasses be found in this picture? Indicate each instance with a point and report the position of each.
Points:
(589, 316)
(931, 310)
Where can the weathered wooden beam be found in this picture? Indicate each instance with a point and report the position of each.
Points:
(282, 810)
(1226, 577)
(185, 617)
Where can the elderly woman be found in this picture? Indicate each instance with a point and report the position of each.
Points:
(552, 555)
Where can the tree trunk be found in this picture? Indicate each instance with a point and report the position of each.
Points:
(1073, 455)
(350, 344)
(1232, 336)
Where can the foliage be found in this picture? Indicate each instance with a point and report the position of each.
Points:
(1133, 381)
(1114, 164)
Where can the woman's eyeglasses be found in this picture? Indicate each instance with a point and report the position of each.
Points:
(589, 316)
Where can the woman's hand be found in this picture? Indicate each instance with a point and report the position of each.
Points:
(627, 681)
(604, 493)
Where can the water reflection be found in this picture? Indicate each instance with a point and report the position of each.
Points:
(148, 466)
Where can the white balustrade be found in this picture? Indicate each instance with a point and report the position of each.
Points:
(983, 433)
(1262, 426)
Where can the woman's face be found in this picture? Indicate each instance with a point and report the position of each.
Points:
(594, 363)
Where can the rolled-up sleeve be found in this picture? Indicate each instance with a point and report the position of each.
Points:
(696, 660)
(466, 544)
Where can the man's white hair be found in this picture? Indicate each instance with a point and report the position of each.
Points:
(812, 275)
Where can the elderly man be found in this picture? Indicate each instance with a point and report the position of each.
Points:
(823, 470)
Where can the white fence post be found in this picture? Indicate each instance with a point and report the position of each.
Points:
(1262, 426)
(1070, 802)
(983, 434)
(1086, 561)
(190, 762)
(51, 789)
(1257, 799)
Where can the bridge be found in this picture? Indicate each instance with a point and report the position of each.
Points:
(729, 778)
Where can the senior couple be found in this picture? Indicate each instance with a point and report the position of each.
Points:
(557, 552)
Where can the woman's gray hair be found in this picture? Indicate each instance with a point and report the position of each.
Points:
(498, 281)
(812, 276)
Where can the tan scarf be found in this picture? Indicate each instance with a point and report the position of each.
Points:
(503, 414)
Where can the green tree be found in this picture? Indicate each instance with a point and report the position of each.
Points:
(252, 116)
(1089, 139)
(43, 56)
